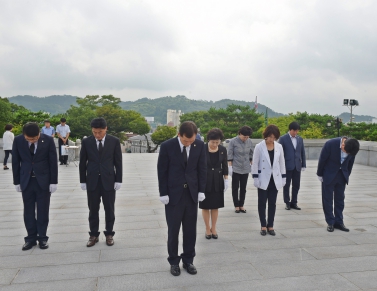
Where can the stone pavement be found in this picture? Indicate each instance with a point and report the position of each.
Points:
(302, 256)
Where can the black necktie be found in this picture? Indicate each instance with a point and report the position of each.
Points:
(32, 149)
(184, 153)
(100, 147)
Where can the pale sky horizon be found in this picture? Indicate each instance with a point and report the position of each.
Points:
(293, 55)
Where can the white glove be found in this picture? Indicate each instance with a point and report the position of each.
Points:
(164, 199)
(284, 181)
(117, 186)
(226, 184)
(320, 178)
(303, 169)
(53, 187)
(201, 196)
(18, 188)
(230, 170)
(83, 186)
(256, 182)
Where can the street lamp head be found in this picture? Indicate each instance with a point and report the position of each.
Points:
(328, 123)
(345, 101)
(354, 102)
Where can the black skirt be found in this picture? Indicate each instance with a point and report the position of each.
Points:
(214, 200)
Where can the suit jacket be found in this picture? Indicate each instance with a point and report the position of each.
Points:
(262, 169)
(216, 172)
(172, 173)
(329, 162)
(107, 167)
(44, 163)
(294, 158)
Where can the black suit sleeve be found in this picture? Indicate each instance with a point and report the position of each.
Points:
(53, 160)
(303, 156)
(163, 170)
(15, 163)
(350, 165)
(118, 164)
(225, 162)
(202, 170)
(83, 161)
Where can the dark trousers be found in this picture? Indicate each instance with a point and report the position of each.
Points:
(94, 201)
(295, 177)
(185, 212)
(36, 223)
(334, 192)
(7, 152)
(62, 159)
(269, 195)
(239, 181)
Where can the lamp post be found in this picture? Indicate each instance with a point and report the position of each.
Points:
(140, 146)
(337, 121)
(351, 103)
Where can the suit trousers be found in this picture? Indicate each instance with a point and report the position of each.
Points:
(185, 212)
(36, 223)
(62, 159)
(239, 181)
(295, 177)
(94, 201)
(269, 195)
(334, 192)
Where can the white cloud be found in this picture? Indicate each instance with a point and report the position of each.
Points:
(295, 55)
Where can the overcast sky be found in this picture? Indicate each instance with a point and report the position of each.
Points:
(294, 55)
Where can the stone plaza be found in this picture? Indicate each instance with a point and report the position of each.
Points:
(302, 256)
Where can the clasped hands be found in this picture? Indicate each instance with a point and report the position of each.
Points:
(165, 199)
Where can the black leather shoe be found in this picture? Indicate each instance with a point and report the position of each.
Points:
(175, 270)
(43, 245)
(294, 206)
(263, 232)
(330, 228)
(342, 227)
(215, 236)
(28, 245)
(271, 232)
(236, 211)
(208, 236)
(287, 206)
(190, 268)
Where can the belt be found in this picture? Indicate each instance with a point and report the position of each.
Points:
(185, 186)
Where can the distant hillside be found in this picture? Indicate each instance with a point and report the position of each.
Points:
(357, 118)
(53, 104)
(157, 107)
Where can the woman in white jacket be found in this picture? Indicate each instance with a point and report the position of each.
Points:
(8, 138)
(268, 171)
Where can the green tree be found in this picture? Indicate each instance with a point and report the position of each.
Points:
(162, 134)
(5, 114)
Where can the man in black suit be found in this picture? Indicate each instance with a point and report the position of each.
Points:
(334, 168)
(182, 174)
(35, 174)
(101, 176)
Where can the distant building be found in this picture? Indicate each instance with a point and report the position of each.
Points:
(151, 122)
(172, 117)
(138, 144)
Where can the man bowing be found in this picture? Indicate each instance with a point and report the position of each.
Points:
(100, 175)
(182, 174)
(35, 174)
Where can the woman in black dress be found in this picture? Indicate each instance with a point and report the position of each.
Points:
(217, 181)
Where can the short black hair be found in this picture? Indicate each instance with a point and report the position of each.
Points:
(31, 129)
(271, 130)
(99, 122)
(63, 119)
(46, 120)
(245, 130)
(188, 129)
(352, 146)
(215, 134)
(8, 127)
(294, 126)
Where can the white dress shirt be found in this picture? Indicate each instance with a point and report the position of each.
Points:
(294, 140)
(103, 142)
(187, 148)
